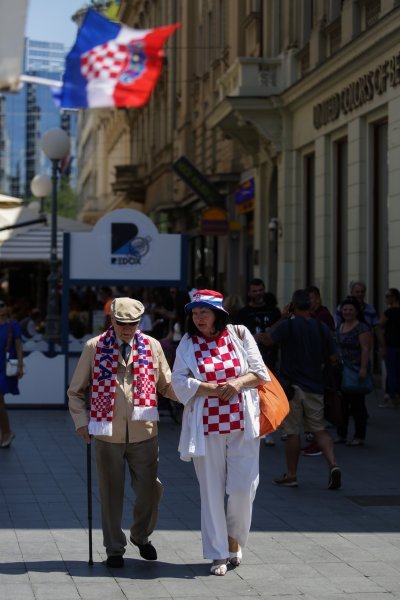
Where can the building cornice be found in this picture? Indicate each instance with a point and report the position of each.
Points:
(351, 58)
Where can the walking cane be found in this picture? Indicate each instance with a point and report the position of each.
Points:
(89, 497)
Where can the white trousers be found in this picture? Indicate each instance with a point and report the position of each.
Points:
(230, 466)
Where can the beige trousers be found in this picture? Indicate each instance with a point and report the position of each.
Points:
(142, 460)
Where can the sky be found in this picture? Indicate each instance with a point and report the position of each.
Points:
(50, 20)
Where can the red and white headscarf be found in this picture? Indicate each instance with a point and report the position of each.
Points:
(104, 383)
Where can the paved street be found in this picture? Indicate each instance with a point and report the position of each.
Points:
(306, 543)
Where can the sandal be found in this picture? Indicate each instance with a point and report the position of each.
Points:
(218, 568)
(235, 558)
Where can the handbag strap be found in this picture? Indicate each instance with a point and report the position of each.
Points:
(238, 333)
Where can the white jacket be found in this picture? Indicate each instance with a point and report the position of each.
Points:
(186, 379)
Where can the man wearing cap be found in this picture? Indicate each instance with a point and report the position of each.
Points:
(124, 369)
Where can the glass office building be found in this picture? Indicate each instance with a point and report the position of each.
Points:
(27, 114)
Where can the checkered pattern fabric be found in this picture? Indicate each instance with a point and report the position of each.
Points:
(104, 382)
(105, 62)
(145, 389)
(217, 362)
(104, 379)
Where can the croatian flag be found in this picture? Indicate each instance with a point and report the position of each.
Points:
(112, 65)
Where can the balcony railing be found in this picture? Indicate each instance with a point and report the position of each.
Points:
(249, 77)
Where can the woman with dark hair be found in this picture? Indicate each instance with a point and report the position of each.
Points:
(390, 324)
(354, 342)
(216, 373)
(11, 345)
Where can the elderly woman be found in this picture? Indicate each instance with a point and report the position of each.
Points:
(216, 373)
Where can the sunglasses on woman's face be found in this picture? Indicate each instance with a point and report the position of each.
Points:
(123, 324)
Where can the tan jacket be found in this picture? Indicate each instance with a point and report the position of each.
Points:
(122, 424)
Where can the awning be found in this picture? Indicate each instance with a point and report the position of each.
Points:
(7, 201)
(32, 243)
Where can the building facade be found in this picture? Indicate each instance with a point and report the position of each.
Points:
(290, 110)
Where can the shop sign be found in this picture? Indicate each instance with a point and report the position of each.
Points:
(197, 181)
(358, 92)
(125, 244)
(214, 221)
(245, 197)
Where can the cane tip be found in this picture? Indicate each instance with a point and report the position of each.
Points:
(91, 563)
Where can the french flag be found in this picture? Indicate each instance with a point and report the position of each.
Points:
(111, 64)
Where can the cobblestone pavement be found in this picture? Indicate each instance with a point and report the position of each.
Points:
(306, 543)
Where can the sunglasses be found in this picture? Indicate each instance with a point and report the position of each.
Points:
(123, 324)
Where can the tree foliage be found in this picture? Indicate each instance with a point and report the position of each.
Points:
(67, 200)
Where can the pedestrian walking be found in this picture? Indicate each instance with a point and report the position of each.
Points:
(320, 312)
(390, 348)
(10, 348)
(124, 370)
(258, 315)
(354, 341)
(305, 345)
(215, 375)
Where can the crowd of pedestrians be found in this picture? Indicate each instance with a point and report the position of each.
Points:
(209, 355)
(291, 343)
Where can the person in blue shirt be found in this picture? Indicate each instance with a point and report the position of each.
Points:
(10, 344)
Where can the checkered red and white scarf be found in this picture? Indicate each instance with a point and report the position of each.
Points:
(105, 382)
(218, 363)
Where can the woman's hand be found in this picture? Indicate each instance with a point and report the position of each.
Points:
(20, 372)
(362, 373)
(228, 390)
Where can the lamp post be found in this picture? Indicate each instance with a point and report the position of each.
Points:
(55, 144)
(41, 188)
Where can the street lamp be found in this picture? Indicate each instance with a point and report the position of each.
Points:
(55, 144)
(41, 188)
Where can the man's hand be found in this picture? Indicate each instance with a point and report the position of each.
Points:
(83, 432)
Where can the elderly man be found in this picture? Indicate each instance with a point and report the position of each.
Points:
(124, 369)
